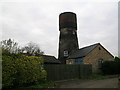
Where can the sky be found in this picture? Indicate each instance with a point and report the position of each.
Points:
(38, 21)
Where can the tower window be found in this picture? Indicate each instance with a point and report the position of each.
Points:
(65, 53)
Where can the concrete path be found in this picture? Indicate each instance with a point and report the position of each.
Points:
(103, 83)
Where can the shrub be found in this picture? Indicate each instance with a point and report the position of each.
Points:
(20, 70)
(111, 67)
(8, 71)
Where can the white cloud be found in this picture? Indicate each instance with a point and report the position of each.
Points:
(39, 22)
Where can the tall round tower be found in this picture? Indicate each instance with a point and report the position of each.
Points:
(68, 41)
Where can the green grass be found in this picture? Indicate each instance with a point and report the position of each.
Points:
(49, 84)
(98, 76)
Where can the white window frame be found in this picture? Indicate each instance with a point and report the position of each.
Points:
(65, 53)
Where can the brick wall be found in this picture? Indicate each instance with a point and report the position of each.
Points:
(95, 55)
(70, 60)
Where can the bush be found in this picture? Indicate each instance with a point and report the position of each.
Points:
(21, 70)
(111, 67)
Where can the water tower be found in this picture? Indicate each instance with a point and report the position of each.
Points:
(68, 41)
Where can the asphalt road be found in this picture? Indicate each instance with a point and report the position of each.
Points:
(103, 83)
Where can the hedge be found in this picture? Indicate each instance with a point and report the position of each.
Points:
(21, 70)
(111, 67)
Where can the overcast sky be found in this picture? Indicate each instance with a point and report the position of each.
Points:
(38, 21)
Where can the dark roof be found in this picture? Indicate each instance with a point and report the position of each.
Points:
(83, 51)
(50, 59)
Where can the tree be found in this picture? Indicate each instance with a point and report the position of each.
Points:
(32, 49)
(9, 46)
(117, 59)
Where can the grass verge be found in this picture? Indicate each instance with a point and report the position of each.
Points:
(98, 76)
(49, 84)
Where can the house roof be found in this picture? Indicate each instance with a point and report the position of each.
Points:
(85, 51)
(50, 59)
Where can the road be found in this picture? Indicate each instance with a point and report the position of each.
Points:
(103, 83)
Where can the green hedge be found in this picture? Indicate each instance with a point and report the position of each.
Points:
(111, 67)
(21, 70)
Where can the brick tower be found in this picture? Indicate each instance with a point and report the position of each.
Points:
(68, 41)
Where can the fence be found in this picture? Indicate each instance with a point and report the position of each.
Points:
(65, 71)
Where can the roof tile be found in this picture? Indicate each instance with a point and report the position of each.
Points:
(83, 51)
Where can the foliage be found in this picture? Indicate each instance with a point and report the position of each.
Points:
(20, 70)
(117, 59)
(111, 67)
(9, 46)
(32, 49)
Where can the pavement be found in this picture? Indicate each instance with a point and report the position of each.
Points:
(84, 83)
